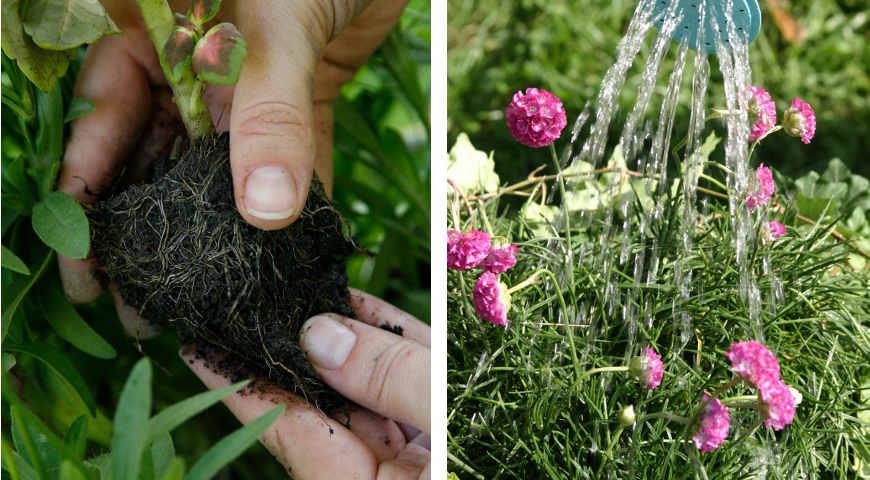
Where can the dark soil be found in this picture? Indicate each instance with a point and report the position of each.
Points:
(181, 254)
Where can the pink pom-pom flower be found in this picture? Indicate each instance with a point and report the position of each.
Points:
(800, 120)
(714, 425)
(647, 368)
(754, 362)
(501, 259)
(491, 299)
(762, 111)
(775, 229)
(466, 250)
(535, 117)
(766, 188)
(776, 404)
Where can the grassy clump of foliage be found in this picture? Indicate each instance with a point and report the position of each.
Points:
(67, 370)
(518, 407)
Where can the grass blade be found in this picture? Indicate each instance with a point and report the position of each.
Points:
(232, 446)
(174, 415)
(131, 422)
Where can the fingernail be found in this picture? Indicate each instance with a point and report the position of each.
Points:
(270, 193)
(327, 342)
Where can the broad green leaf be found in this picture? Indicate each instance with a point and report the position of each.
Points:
(45, 164)
(161, 455)
(11, 261)
(69, 325)
(175, 470)
(219, 54)
(469, 169)
(42, 67)
(58, 363)
(131, 422)
(69, 472)
(60, 222)
(66, 24)
(79, 107)
(837, 171)
(228, 449)
(178, 51)
(76, 438)
(202, 11)
(171, 417)
(16, 288)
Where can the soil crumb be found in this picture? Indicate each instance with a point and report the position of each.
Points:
(397, 329)
(183, 257)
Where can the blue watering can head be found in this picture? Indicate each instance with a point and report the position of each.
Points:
(745, 16)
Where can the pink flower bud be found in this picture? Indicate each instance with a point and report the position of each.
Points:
(800, 120)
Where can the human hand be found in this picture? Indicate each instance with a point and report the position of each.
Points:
(279, 114)
(383, 372)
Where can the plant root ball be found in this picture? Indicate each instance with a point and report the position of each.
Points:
(181, 254)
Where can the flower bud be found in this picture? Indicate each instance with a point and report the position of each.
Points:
(627, 416)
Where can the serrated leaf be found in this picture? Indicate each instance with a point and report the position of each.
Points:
(219, 55)
(11, 262)
(60, 222)
(131, 422)
(42, 67)
(60, 365)
(202, 11)
(178, 51)
(232, 446)
(174, 415)
(79, 107)
(66, 24)
(69, 325)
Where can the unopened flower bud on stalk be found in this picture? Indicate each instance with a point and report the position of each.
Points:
(627, 416)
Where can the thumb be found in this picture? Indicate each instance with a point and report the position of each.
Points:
(272, 143)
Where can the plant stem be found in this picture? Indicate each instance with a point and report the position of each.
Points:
(589, 373)
(525, 283)
(667, 416)
(186, 90)
(609, 452)
(741, 401)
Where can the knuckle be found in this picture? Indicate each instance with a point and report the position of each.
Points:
(274, 118)
(385, 371)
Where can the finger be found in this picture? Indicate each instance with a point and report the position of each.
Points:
(304, 440)
(380, 434)
(272, 141)
(114, 81)
(376, 312)
(411, 462)
(381, 371)
(133, 323)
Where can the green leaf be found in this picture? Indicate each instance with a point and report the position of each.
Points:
(45, 164)
(469, 169)
(76, 438)
(18, 191)
(11, 261)
(178, 51)
(837, 171)
(131, 422)
(161, 455)
(175, 470)
(8, 361)
(219, 55)
(79, 107)
(173, 416)
(16, 288)
(24, 442)
(66, 24)
(69, 325)
(42, 67)
(58, 363)
(232, 446)
(16, 465)
(202, 11)
(68, 471)
(60, 222)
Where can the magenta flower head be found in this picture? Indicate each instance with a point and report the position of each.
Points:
(762, 111)
(466, 250)
(647, 368)
(800, 120)
(754, 362)
(714, 425)
(775, 230)
(776, 404)
(491, 299)
(766, 188)
(535, 118)
(501, 259)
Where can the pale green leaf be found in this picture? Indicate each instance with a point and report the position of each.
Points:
(60, 222)
(76, 438)
(69, 472)
(131, 422)
(232, 446)
(69, 325)
(42, 67)
(66, 24)
(79, 107)
(11, 261)
(171, 417)
(469, 169)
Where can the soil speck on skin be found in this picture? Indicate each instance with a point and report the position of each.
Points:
(387, 440)
(397, 329)
(182, 256)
